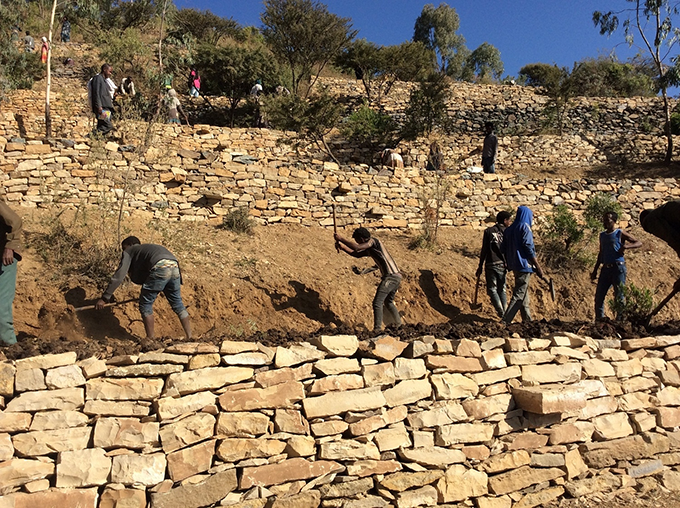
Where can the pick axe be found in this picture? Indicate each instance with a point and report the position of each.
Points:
(475, 305)
(551, 286)
(663, 303)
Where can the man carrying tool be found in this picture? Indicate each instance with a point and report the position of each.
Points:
(664, 222)
(493, 261)
(363, 245)
(155, 269)
(520, 256)
(613, 243)
(10, 246)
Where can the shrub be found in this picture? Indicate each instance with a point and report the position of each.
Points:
(239, 221)
(562, 240)
(369, 127)
(596, 207)
(636, 305)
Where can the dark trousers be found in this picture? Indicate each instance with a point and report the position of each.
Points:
(609, 276)
(384, 296)
(104, 125)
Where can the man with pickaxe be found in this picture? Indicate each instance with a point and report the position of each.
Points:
(664, 222)
(156, 269)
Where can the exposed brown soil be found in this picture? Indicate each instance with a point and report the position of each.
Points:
(286, 282)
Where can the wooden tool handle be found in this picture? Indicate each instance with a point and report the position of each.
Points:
(112, 304)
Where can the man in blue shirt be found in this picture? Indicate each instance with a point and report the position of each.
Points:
(520, 256)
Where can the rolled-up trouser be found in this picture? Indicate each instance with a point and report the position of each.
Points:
(384, 296)
(495, 287)
(8, 285)
(520, 298)
(165, 277)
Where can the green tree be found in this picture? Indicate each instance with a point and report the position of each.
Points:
(555, 83)
(437, 29)
(427, 108)
(305, 36)
(483, 64)
(203, 26)
(607, 77)
(231, 71)
(121, 14)
(652, 21)
(368, 127)
(379, 67)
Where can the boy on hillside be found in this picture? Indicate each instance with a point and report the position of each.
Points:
(363, 245)
(612, 246)
(493, 261)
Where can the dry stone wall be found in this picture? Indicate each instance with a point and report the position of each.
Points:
(503, 423)
(205, 175)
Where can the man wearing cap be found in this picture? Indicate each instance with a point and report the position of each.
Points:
(10, 247)
(363, 245)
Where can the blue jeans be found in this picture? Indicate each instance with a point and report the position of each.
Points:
(609, 276)
(8, 284)
(193, 92)
(384, 296)
(495, 287)
(520, 298)
(489, 164)
(166, 279)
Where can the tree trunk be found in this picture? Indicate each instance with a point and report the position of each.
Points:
(48, 114)
(667, 128)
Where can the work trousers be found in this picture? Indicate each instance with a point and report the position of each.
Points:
(495, 287)
(8, 284)
(609, 276)
(384, 297)
(520, 298)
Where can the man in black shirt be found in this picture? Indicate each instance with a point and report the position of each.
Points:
(364, 245)
(493, 260)
(155, 269)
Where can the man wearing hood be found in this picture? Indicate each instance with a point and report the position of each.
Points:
(664, 222)
(520, 257)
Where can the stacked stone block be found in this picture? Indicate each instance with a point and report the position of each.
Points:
(501, 423)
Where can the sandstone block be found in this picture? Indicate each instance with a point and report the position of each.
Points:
(7, 372)
(187, 431)
(496, 376)
(636, 401)
(133, 389)
(17, 472)
(211, 378)
(287, 471)
(31, 444)
(540, 498)
(597, 407)
(277, 376)
(612, 426)
(506, 461)
(125, 433)
(454, 386)
(234, 347)
(425, 496)
(348, 449)
(277, 396)
(448, 435)
(191, 461)
(144, 370)
(124, 498)
(574, 464)
(335, 403)
(364, 468)
(522, 478)
(290, 421)
(297, 354)
(667, 417)
(529, 358)
(330, 428)
(451, 363)
(546, 400)
(83, 468)
(240, 424)
(392, 438)
(628, 368)
(399, 482)
(337, 345)
(493, 502)
(374, 423)
(607, 453)
(479, 409)
(380, 374)
(64, 377)
(65, 399)
(117, 408)
(47, 361)
(565, 373)
(301, 446)
(588, 486)
(669, 396)
(442, 413)
(598, 368)
(342, 382)
(236, 449)
(461, 483)
(57, 498)
(571, 433)
(346, 489)
(409, 368)
(470, 348)
(6, 447)
(387, 348)
(408, 392)
(308, 499)
(145, 470)
(197, 495)
(14, 422)
(333, 366)
(29, 380)
(254, 359)
(432, 456)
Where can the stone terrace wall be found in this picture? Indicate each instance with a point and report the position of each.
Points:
(338, 423)
(205, 175)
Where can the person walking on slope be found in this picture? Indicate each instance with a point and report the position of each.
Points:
(520, 256)
(664, 222)
(613, 243)
(489, 149)
(363, 245)
(10, 247)
(491, 258)
(102, 103)
(155, 269)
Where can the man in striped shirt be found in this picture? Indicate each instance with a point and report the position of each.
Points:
(363, 245)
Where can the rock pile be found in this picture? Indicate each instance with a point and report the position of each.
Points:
(337, 423)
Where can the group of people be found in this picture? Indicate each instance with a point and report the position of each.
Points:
(507, 246)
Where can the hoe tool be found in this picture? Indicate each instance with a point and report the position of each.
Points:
(112, 304)
(661, 306)
(475, 304)
(551, 287)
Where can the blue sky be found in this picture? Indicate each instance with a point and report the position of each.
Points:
(525, 31)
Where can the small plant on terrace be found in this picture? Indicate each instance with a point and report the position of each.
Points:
(636, 305)
(562, 240)
(239, 221)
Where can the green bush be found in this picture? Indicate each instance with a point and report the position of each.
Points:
(596, 207)
(636, 306)
(239, 221)
(562, 240)
(369, 127)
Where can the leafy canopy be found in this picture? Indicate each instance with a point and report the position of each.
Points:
(437, 29)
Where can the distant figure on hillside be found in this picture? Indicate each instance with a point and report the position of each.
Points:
(282, 90)
(363, 245)
(492, 259)
(490, 149)
(520, 257)
(391, 158)
(29, 43)
(10, 250)
(44, 50)
(156, 269)
(15, 33)
(664, 222)
(65, 30)
(435, 159)
(194, 82)
(100, 94)
(127, 87)
(612, 246)
(174, 107)
(112, 87)
(256, 90)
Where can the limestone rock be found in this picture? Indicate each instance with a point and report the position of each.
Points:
(236, 449)
(335, 403)
(133, 389)
(29, 380)
(17, 472)
(338, 345)
(170, 408)
(286, 471)
(31, 444)
(409, 368)
(47, 361)
(146, 470)
(187, 431)
(64, 377)
(206, 493)
(297, 354)
(191, 461)
(51, 420)
(277, 396)
(240, 424)
(380, 374)
(125, 433)
(65, 399)
(144, 370)
(211, 378)
(408, 392)
(461, 483)
(83, 468)
(453, 386)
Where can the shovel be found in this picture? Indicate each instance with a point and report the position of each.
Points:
(551, 287)
(112, 304)
(475, 305)
(660, 306)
